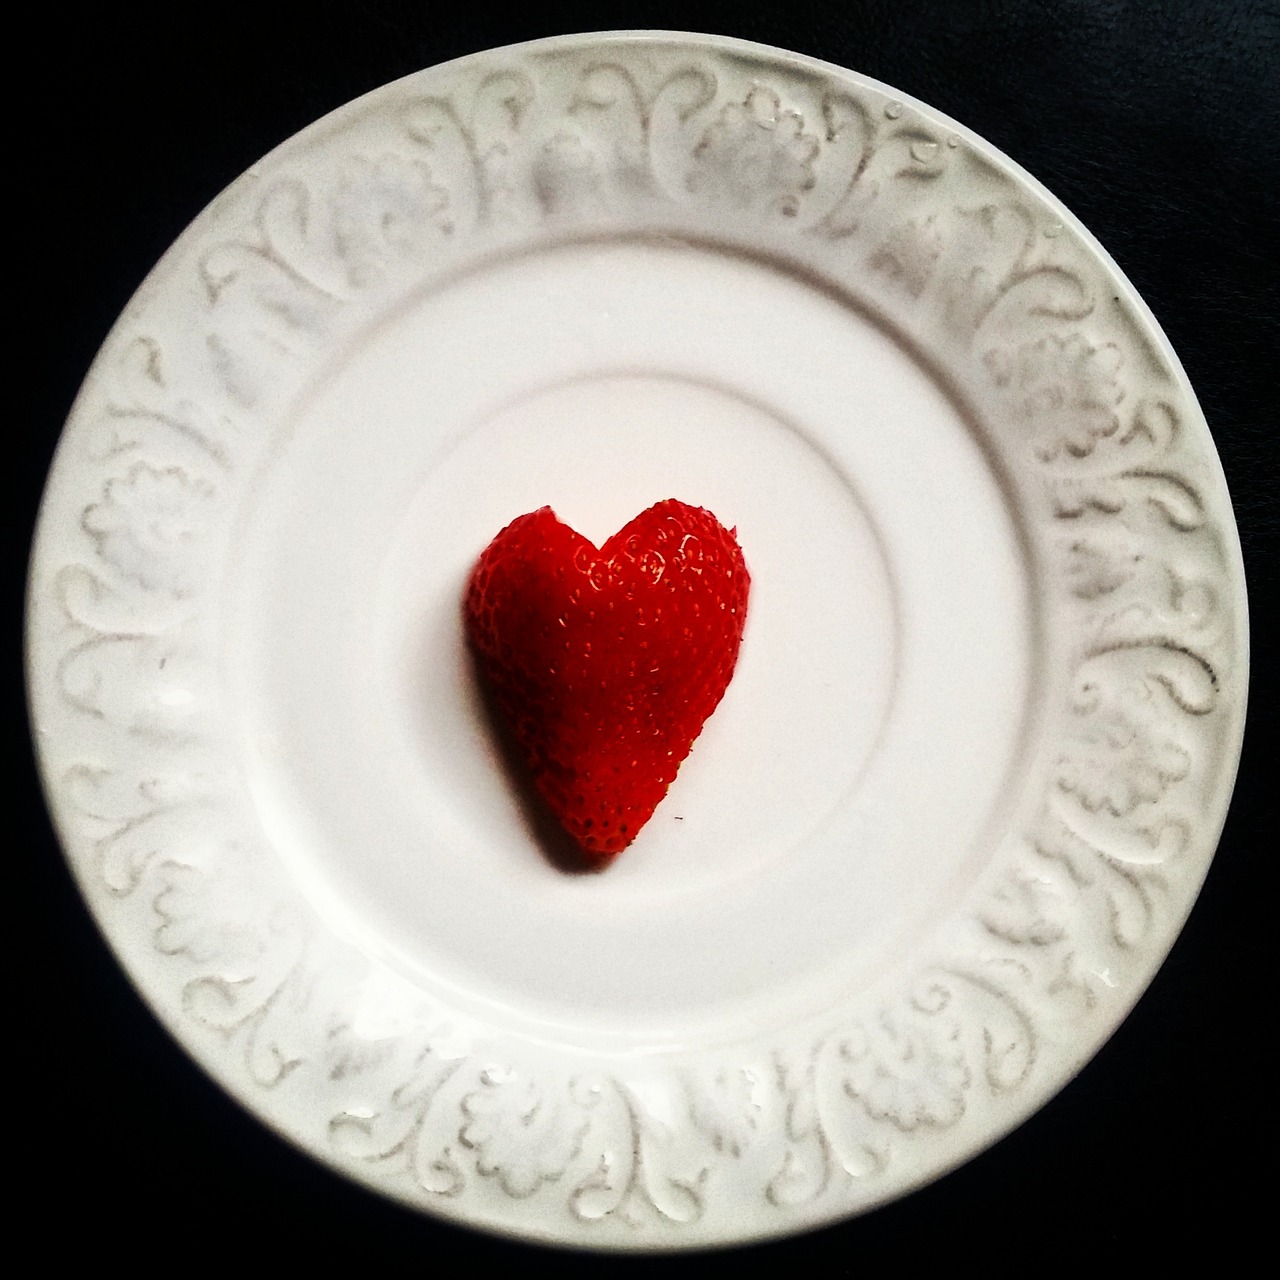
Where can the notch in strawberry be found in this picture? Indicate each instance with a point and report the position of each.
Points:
(605, 664)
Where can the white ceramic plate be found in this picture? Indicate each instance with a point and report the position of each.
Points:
(969, 774)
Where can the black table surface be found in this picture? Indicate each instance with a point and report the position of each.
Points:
(1156, 123)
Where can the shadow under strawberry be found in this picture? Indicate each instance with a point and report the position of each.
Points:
(555, 844)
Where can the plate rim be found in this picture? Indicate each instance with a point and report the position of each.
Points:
(1151, 328)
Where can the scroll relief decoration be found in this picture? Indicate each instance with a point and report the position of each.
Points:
(1093, 426)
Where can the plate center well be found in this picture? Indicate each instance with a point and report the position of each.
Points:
(869, 733)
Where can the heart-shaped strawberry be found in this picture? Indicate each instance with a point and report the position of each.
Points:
(606, 663)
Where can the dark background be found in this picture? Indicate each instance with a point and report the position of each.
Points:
(1155, 123)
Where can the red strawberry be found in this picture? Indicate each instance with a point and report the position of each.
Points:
(606, 664)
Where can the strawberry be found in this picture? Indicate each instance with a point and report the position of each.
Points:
(605, 664)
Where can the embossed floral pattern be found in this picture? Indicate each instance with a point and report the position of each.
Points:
(910, 1075)
(385, 209)
(756, 155)
(1064, 389)
(520, 1133)
(1125, 753)
(566, 176)
(148, 524)
(908, 255)
(726, 1107)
